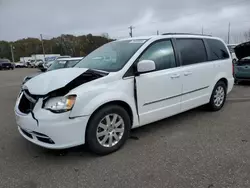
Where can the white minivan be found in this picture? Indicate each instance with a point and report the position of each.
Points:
(123, 85)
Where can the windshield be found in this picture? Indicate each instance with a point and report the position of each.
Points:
(111, 57)
(58, 64)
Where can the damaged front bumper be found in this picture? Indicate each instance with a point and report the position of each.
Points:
(50, 130)
(43, 127)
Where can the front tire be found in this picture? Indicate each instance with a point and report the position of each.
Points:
(108, 129)
(218, 96)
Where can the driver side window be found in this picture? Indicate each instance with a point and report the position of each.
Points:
(162, 53)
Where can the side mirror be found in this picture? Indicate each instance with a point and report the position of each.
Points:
(145, 66)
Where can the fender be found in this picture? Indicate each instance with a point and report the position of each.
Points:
(217, 78)
(90, 107)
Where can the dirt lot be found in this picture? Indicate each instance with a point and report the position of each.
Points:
(196, 149)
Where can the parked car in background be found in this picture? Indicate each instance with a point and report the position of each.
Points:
(25, 59)
(38, 62)
(57, 64)
(46, 65)
(28, 64)
(55, 58)
(13, 66)
(242, 66)
(20, 65)
(123, 85)
(40, 65)
(43, 67)
(64, 63)
(232, 52)
(6, 64)
(31, 64)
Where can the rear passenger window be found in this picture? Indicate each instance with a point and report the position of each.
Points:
(192, 51)
(217, 50)
(161, 53)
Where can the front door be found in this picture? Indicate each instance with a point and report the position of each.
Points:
(159, 92)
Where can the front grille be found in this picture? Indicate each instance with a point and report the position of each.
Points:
(25, 105)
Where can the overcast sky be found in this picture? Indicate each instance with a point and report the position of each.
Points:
(30, 18)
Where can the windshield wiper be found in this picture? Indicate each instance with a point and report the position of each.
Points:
(98, 72)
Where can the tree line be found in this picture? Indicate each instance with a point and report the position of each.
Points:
(75, 46)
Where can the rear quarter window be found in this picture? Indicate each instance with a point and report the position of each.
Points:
(217, 50)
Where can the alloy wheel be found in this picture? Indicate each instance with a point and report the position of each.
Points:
(110, 130)
(219, 96)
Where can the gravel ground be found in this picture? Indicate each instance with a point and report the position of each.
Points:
(196, 149)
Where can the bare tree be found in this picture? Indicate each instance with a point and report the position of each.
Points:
(105, 35)
(247, 35)
(238, 38)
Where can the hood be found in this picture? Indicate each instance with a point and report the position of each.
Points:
(242, 50)
(33, 75)
(27, 78)
(43, 84)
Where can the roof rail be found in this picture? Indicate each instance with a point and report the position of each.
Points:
(185, 34)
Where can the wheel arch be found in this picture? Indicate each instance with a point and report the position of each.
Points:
(121, 103)
(220, 77)
(223, 80)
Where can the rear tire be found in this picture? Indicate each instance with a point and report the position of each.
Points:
(108, 129)
(218, 96)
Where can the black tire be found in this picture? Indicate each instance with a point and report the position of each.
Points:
(211, 105)
(91, 135)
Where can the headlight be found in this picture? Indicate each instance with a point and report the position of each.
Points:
(60, 104)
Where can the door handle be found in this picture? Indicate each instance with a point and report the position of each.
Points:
(175, 76)
(187, 73)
